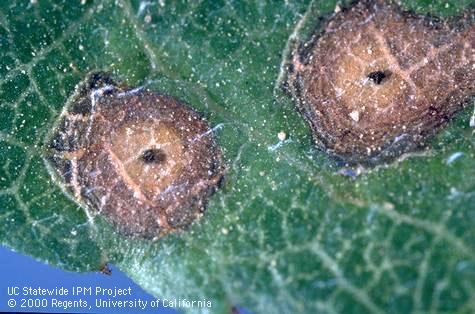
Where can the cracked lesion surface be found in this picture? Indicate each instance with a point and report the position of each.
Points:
(145, 161)
(378, 80)
(151, 154)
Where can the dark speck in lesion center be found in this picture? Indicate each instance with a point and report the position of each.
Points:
(379, 77)
(153, 156)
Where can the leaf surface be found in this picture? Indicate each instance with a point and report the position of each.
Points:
(288, 232)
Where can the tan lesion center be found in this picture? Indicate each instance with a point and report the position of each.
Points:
(365, 80)
(152, 156)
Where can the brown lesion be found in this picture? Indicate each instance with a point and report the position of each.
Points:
(377, 73)
(144, 161)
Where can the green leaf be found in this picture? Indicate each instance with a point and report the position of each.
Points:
(287, 233)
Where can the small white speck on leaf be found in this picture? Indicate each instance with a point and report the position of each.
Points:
(281, 136)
